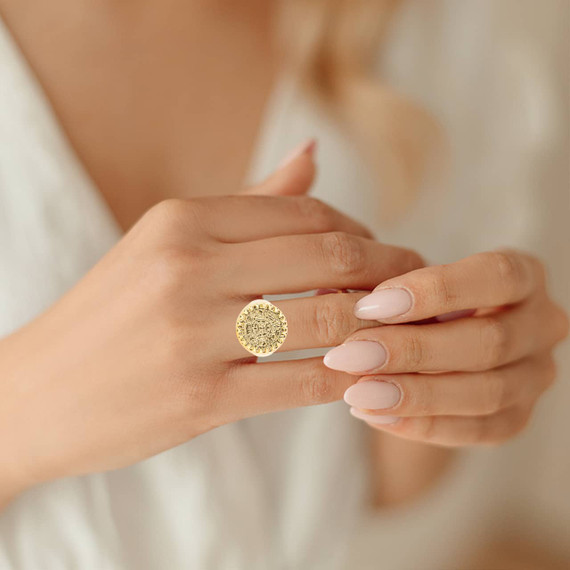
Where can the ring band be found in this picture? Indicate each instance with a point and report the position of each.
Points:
(261, 328)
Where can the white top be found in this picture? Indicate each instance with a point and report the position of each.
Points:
(286, 490)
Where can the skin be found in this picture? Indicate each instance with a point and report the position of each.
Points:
(99, 64)
(141, 90)
(121, 370)
(473, 380)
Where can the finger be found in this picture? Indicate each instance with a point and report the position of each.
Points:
(454, 431)
(472, 344)
(234, 219)
(298, 263)
(313, 322)
(456, 393)
(272, 386)
(320, 321)
(483, 280)
(294, 176)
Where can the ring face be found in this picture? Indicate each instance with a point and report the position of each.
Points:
(261, 328)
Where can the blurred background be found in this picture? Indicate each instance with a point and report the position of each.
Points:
(485, 85)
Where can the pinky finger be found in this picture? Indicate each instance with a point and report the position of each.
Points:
(452, 431)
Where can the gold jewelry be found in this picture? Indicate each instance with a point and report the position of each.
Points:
(261, 328)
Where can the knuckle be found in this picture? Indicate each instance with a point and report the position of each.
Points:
(169, 269)
(507, 264)
(426, 428)
(317, 387)
(332, 323)
(443, 289)
(509, 268)
(166, 211)
(422, 399)
(318, 213)
(413, 353)
(499, 394)
(494, 342)
(344, 252)
(170, 219)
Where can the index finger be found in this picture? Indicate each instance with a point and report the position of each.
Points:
(237, 219)
(484, 280)
(292, 264)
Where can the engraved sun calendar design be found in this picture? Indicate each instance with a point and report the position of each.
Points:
(261, 328)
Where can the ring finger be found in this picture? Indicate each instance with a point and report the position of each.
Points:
(313, 322)
(469, 344)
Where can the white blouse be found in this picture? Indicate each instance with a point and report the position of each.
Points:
(288, 490)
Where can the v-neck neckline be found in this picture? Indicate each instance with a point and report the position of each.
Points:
(26, 81)
(22, 74)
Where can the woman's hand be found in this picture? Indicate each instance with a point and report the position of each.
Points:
(472, 376)
(142, 354)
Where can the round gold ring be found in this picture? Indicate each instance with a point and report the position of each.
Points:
(261, 328)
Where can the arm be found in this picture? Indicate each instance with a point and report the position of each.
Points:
(141, 355)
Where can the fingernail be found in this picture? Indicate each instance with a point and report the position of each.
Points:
(383, 304)
(373, 395)
(356, 356)
(372, 418)
(308, 148)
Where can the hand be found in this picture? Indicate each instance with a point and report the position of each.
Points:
(141, 355)
(472, 378)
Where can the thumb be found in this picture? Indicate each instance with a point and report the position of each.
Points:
(293, 177)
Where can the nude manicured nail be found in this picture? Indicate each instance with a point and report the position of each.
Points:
(308, 148)
(383, 304)
(356, 356)
(372, 395)
(372, 418)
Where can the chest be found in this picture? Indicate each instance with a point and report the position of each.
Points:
(163, 100)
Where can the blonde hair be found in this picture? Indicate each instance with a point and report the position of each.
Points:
(333, 45)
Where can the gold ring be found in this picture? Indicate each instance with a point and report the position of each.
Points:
(261, 327)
